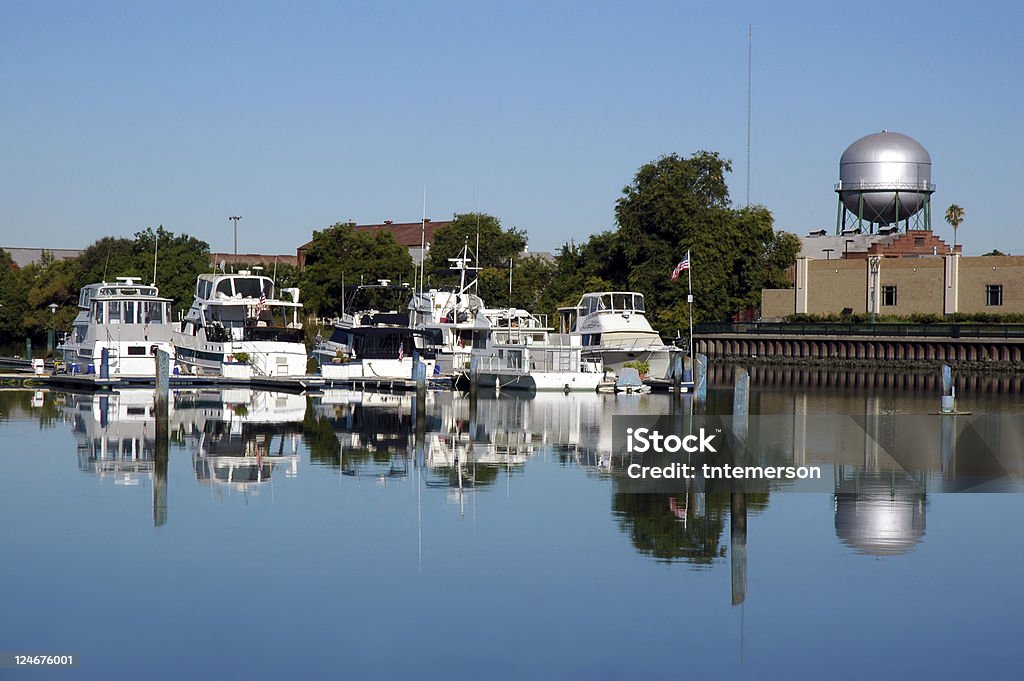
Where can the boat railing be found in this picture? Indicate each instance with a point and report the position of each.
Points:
(564, 359)
(631, 344)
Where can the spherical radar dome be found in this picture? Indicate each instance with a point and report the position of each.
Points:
(877, 169)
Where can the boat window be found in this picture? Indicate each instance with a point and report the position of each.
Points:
(605, 303)
(590, 305)
(340, 336)
(638, 302)
(249, 287)
(224, 286)
(480, 339)
(114, 312)
(97, 312)
(154, 313)
(622, 301)
(129, 312)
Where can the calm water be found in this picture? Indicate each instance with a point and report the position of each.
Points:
(323, 537)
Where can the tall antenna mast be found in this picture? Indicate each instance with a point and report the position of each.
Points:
(423, 248)
(750, 51)
(156, 251)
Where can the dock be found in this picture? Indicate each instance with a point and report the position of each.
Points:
(291, 384)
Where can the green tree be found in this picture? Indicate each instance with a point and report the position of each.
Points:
(954, 216)
(340, 253)
(497, 245)
(677, 205)
(180, 259)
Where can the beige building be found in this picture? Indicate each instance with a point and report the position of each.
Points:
(939, 282)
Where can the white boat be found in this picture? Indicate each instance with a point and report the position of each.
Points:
(613, 325)
(237, 327)
(125, 320)
(533, 363)
(376, 340)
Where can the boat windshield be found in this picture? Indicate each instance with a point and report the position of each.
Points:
(613, 302)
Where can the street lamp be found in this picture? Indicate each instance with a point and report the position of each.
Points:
(50, 334)
(235, 219)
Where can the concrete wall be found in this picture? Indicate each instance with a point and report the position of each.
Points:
(977, 273)
(833, 285)
(918, 283)
(776, 303)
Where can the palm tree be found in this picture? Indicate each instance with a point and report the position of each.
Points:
(954, 216)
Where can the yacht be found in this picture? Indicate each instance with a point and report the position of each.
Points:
(376, 340)
(613, 326)
(126, 321)
(236, 320)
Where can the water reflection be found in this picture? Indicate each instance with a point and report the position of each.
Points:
(885, 452)
(239, 437)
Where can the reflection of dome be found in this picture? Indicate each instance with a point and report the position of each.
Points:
(880, 516)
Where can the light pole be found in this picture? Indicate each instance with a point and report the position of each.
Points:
(235, 219)
(50, 336)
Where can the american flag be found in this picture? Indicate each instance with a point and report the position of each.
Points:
(262, 304)
(683, 265)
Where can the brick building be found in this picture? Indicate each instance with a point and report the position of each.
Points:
(897, 274)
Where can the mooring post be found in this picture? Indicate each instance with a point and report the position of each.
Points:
(28, 349)
(738, 499)
(948, 391)
(474, 374)
(677, 373)
(700, 379)
(105, 363)
(162, 396)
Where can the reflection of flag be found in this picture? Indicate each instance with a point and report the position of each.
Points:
(683, 265)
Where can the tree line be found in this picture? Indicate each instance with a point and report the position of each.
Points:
(672, 206)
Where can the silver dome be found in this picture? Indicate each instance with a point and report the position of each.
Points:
(879, 516)
(876, 169)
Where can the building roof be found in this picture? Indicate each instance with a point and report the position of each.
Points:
(913, 244)
(23, 257)
(408, 234)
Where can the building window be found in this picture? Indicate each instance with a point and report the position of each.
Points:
(994, 294)
(888, 295)
(919, 241)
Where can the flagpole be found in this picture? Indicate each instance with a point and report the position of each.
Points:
(689, 298)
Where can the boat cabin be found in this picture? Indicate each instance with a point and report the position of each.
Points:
(624, 303)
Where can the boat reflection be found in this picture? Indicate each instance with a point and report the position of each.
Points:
(239, 437)
(115, 434)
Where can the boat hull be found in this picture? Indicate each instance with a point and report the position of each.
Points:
(540, 381)
(267, 358)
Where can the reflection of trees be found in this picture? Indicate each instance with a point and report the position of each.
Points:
(384, 434)
(673, 527)
(21, 402)
(318, 435)
(472, 475)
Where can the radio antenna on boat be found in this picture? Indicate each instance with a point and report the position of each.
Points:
(156, 252)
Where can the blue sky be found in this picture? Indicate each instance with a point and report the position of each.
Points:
(118, 116)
